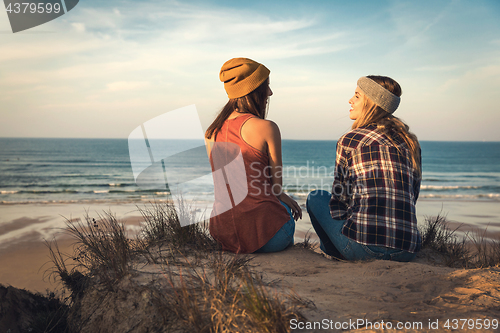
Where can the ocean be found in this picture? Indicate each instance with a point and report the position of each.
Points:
(42, 171)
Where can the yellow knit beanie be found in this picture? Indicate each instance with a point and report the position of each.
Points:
(241, 76)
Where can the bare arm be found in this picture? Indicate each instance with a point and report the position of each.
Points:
(208, 145)
(272, 137)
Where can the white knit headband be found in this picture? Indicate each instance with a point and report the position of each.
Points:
(378, 94)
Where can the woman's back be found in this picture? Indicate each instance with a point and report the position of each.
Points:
(251, 212)
(379, 205)
(249, 224)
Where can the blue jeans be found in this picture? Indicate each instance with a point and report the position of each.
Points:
(334, 243)
(283, 238)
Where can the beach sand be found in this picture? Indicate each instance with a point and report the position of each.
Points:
(24, 256)
(23, 229)
(340, 291)
(26, 265)
(415, 292)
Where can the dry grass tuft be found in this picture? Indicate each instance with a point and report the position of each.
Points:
(307, 244)
(206, 290)
(485, 252)
(227, 297)
(480, 252)
(102, 248)
(437, 236)
(162, 226)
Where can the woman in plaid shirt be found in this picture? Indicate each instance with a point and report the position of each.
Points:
(370, 213)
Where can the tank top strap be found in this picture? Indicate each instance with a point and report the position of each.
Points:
(232, 128)
(239, 121)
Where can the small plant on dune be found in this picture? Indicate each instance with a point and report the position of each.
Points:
(227, 297)
(267, 310)
(72, 279)
(485, 252)
(307, 243)
(435, 233)
(102, 248)
(162, 226)
(481, 252)
(437, 236)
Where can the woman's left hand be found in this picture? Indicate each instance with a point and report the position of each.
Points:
(294, 206)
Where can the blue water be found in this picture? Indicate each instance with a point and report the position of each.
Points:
(99, 170)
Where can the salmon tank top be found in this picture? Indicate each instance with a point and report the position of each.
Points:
(246, 214)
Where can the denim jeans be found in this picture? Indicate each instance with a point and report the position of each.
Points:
(334, 243)
(283, 238)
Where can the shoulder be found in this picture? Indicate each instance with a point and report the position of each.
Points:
(263, 126)
(359, 137)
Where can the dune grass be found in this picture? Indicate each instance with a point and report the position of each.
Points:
(470, 251)
(206, 290)
(210, 291)
(226, 296)
(201, 289)
(161, 224)
(307, 243)
(485, 252)
(102, 248)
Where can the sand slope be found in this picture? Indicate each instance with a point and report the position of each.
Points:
(382, 290)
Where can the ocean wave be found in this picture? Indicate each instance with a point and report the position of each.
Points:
(74, 191)
(65, 185)
(47, 191)
(118, 201)
(491, 196)
(298, 194)
(453, 187)
(90, 176)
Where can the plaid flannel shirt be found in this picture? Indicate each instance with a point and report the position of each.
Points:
(375, 189)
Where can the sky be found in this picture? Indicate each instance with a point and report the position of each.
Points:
(106, 67)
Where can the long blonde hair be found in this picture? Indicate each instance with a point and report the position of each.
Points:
(387, 123)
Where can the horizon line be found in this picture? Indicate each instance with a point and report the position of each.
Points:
(283, 139)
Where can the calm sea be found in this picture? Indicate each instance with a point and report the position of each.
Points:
(99, 170)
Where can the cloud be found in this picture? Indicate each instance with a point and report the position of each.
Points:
(41, 49)
(483, 80)
(169, 37)
(124, 85)
(178, 27)
(79, 27)
(447, 68)
(113, 57)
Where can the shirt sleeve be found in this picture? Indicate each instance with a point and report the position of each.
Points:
(341, 185)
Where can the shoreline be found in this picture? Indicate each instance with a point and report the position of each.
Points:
(483, 214)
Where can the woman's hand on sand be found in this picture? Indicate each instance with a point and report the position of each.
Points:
(294, 206)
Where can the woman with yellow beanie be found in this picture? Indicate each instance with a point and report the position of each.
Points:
(251, 213)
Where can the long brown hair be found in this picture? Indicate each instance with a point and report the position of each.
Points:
(253, 103)
(387, 123)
